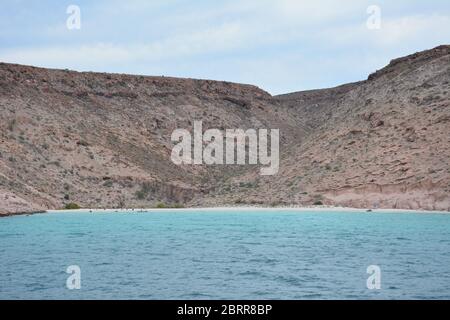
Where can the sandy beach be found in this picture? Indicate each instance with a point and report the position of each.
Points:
(248, 209)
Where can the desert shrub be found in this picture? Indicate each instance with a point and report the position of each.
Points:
(11, 125)
(108, 183)
(55, 163)
(275, 204)
(178, 206)
(161, 205)
(83, 143)
(72, 206)
(247, 185)
(318, 203)
(140, 195)
(146, 189)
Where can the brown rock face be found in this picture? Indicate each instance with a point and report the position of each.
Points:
(103, 140)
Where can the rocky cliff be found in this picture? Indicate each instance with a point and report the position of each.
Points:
(103, 140)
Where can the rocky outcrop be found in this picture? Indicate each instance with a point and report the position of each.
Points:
(14, 205)
(421, 196)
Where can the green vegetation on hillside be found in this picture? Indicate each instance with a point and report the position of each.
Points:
(72, 206)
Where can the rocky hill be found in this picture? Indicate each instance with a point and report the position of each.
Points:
(103, 140)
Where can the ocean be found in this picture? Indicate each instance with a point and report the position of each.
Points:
(220, 254)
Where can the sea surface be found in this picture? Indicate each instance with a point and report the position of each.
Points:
(276, 254)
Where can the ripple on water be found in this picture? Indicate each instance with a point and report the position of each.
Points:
(193, 255)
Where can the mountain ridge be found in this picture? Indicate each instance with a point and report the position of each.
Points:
(103, 140)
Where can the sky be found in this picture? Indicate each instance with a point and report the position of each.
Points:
(279, 45)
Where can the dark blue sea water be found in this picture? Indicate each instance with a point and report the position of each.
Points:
(275, 254)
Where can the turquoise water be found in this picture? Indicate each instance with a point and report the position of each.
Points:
(225, 255)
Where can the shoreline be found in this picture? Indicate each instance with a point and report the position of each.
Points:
(25, 213)
(329, 209)
(250, 209)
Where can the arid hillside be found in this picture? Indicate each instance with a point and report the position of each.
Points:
(103, 140)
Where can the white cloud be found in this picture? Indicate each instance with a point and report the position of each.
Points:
(411, 28)
(393, 32)
(273, 44)
(316, 11)
(220, 39)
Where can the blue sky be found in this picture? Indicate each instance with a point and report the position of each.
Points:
(278, 45)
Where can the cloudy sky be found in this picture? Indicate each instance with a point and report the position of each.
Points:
(278, 45)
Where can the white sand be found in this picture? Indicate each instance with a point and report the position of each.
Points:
(249, 209)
